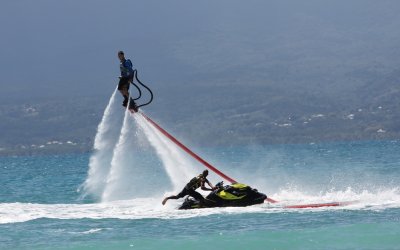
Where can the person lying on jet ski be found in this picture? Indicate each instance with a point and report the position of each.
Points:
(190, 188)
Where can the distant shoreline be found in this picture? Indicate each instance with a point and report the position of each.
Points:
(89, 150)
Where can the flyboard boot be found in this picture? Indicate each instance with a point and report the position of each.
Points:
(133, 106)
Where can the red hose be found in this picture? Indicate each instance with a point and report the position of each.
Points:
(187, 150)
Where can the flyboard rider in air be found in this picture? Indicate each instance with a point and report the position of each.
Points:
(125, 79)
(129, 76)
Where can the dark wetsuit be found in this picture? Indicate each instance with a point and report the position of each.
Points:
(126, 74)
(190, 189)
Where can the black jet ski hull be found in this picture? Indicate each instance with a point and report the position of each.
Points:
(236, 195)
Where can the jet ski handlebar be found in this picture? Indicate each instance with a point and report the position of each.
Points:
(219, 185)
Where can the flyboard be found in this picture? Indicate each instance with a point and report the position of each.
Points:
(135, 110)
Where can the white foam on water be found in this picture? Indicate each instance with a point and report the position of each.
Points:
(106, 138)
(377, 199)
(144, 208)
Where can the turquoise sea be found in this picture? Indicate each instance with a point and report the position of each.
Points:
(48, 202)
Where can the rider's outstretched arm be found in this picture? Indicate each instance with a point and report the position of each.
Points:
(203, 186)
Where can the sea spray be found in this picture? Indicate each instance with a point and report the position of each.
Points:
(179, 168)
(106, 138)
(135, 171)
(116, 186)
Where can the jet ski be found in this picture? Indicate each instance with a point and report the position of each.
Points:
(234, 195)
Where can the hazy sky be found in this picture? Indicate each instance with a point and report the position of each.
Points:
(69, 47)
(54, 44)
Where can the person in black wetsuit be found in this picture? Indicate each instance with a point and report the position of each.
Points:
(125, 79)
(190, 188)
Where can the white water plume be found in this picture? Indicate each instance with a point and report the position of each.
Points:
(179, 168)
(118, 180)
(104, 143)
(118, 168)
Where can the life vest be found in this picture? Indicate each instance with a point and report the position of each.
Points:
(126, 68)
(195, 183)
